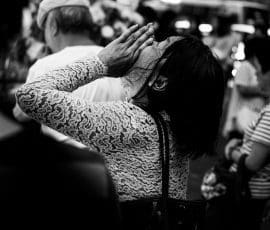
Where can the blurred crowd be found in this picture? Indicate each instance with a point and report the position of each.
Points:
(110, 19)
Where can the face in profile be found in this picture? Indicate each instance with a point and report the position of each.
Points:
(135, 78)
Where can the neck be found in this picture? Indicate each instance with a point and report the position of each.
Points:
(65, 40)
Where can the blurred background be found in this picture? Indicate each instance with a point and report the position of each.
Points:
(223, 25)
(211, 20)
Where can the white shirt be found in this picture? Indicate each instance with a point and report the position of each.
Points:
(105, 89)
(246, 76)
(244, 110)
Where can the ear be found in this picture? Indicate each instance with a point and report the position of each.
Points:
(160, 84)
(156, 74)
(54, 27)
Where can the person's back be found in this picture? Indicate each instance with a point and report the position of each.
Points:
(97, 90)
(67, 27)
(106, 89)
(47, 183)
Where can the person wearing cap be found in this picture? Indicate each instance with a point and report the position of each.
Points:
(178, 78)
(68, 31)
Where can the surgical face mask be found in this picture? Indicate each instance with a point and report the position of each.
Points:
(143, 68)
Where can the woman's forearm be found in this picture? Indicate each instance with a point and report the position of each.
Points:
(255, 160)
(66, 79)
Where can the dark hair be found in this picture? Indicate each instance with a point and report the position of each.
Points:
(262, 28)
(263, 52)
(194, 96)
(250, 48)
(73, 19)
(224, 24)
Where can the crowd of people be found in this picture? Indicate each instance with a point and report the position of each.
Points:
(101, 128)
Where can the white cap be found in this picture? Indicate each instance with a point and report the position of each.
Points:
(47, 5)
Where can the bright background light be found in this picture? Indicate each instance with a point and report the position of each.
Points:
(243, 28)
(171, 1)
(182, 24)
(240, 54)
(205, 28)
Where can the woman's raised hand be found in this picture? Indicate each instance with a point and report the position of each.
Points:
(120, 54)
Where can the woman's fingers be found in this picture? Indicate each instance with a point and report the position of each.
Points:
(133, 33)
(121, 53)
(144, 37)
(127, 34)
(137, 35)
(145, 44)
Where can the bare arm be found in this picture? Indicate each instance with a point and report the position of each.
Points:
(260, 155)
(48, 99)
(258, 138)
(250, 91)
(118, 56)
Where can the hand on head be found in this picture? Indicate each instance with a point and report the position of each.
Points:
(121, 53)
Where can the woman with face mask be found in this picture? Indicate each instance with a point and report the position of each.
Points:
(179, 79)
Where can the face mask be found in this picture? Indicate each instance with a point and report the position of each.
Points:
(139, 74)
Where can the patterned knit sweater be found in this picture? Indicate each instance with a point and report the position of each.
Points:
(125, 134)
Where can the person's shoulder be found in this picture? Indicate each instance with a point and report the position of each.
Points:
(41, 66)
(36, 147)
(265, 114)
(244, 71)
(247, 64)
(50, 59)
(103, 89)
(44, 61)
(83, 50)
(95, 48)
(267, 109)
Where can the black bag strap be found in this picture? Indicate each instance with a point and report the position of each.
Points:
(165, 162)
(241, 183)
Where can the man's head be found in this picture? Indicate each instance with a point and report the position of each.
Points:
(63, 17)
(263, 57)
(46, 6)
